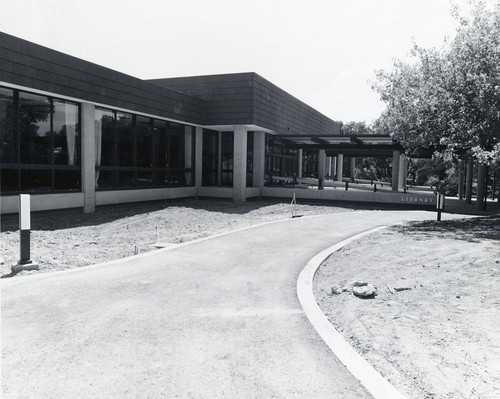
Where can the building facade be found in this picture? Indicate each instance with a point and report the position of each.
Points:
(76, 134)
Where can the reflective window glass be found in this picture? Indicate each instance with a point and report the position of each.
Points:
(34, 129)
(144, 133)
(8, 140)
(67, 179)
(66, 133)
(125, 139)
(105, 137)
(9, 180)
(36, 180)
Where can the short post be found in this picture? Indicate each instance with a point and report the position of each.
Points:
(375, 188)
(346, 185)
(439, 206)
(25, 262)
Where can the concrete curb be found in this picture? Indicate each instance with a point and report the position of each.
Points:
(371, 379)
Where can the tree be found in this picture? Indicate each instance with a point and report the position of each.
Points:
(448, 99)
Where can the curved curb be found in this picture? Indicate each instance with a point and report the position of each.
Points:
(370, 378)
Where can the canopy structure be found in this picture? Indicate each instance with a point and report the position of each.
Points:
(348, 145)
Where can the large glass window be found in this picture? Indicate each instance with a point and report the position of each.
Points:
(281, 160)
(40, 143)
(125, 139)
(137, 151)
(250, 159)
(35, 129)
(210, 157)
(227, 158)
(9, 152)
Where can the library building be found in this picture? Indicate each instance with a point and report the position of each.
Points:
(74, 134)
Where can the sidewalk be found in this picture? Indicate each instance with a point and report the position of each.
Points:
(218, 318)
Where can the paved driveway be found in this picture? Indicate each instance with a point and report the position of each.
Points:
(218, 318)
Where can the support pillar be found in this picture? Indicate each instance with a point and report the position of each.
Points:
(328, 171)
(482, 171)
(403, 165)
(334, 167)
(198, 156)
(300, 163)
(461, 166)
(91, 137)
(240, 164)
(259, 157)
(468, 184)
(352, 174)
(321, 169)
(340, 166)
(395, 170)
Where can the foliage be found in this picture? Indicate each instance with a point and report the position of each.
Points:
(353, 128)
(449, 99)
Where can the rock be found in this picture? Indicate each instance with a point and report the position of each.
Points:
(336, 290)
(401, 288)
(345, 288)
(359, 284)
(365, 291)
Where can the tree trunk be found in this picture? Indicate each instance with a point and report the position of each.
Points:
(481, 187)
(468, 187)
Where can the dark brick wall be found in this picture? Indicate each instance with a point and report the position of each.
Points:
(247, 98)
(227, 99)
(277, 110)
(28, 64)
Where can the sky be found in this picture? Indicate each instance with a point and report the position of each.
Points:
(324, 52)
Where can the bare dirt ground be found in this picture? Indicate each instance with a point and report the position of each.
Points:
(441, 338)
(67, 239)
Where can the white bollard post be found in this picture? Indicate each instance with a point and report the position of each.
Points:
(25, 262)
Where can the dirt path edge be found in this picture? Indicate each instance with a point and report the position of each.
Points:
(370, 378)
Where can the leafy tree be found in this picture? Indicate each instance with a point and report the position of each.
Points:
(449, 99)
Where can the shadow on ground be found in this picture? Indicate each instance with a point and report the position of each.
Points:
(472, 230)
(70, 218)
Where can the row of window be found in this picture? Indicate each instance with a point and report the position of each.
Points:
(40, 148)
(136, 151)
(218, 158)
(281, 160)
(39, 142)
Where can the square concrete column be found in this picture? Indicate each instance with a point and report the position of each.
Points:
(240, 164)
(299, 174)
(402, 172)
(89, 151)
(259, 157)
(188, 154)
(198, 156)
(340, 166)
(321, 169)
(334, 166)
(395, 170)
(353, 169)
(328, 166)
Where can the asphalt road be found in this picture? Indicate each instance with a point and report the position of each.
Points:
(217, 318)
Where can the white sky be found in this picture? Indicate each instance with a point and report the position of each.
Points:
(324, 52)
